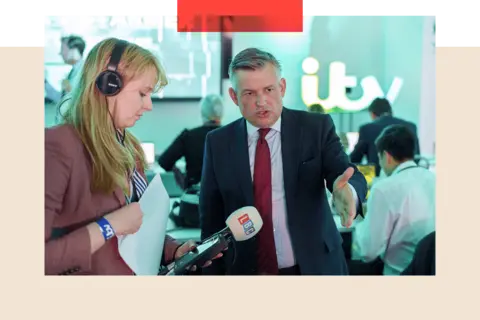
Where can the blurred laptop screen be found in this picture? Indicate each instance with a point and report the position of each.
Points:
(149, 150)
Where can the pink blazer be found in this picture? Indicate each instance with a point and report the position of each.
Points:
(70, 205)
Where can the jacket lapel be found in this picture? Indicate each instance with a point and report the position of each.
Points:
(240, 158)
(120, 196)
(291, 136)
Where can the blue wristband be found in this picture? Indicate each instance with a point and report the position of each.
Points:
(106, 228)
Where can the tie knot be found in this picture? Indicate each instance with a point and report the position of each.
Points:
(263, 133)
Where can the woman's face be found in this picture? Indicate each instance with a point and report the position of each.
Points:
(133, 100)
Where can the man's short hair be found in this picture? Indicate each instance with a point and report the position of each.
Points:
(398, 140)
(252, 59)
(73, 42)
(380, 107)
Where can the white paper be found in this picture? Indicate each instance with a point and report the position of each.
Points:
(143, 250)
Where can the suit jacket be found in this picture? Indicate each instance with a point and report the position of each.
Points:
(70, 205)
(311, 153)
(423, 262)
(368, 133)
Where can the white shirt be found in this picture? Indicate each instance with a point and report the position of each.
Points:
(283, 242)
(400, 212)
(76, 73)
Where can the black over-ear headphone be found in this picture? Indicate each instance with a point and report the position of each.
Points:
(109, 82)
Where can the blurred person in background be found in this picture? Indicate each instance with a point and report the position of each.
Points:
(381, 113)
(72, 50)
(190, 144)
(318, 108)
(401, 208)
(94, 167)
(51, 94)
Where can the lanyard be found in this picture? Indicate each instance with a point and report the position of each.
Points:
(411, 167)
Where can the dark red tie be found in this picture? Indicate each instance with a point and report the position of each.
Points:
(262, 188)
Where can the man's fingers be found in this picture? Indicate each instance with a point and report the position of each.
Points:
(346, 175)
(347, 215)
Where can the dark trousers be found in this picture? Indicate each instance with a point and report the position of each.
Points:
(360, 268)
(291, 271)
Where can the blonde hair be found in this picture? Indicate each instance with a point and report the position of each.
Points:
(88, 113)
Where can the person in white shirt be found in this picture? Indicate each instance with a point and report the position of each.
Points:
(400, 208)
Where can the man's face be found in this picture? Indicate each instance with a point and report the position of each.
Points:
(259, 94)
(64, 51)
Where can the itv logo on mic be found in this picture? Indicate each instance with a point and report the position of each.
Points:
(247, 224)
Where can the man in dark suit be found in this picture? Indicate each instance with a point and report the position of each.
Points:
(280, 161)
(381, 113)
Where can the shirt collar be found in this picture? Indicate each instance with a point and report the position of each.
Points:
(406, 164)
(120, 136)
(251, 129)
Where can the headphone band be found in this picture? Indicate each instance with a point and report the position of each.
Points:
(117, 55)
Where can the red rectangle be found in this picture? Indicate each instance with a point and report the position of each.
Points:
(243, 218)
(247, 16)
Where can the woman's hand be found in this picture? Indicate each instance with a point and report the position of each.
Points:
(191, 245)
(126, 220)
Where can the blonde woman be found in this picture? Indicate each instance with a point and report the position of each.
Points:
(94, 168)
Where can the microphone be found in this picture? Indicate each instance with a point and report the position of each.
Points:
(243, 224)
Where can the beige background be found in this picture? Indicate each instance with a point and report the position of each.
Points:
(27, 294)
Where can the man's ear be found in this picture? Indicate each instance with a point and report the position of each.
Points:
(388, 157)
(233, 95)
(283, 86)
